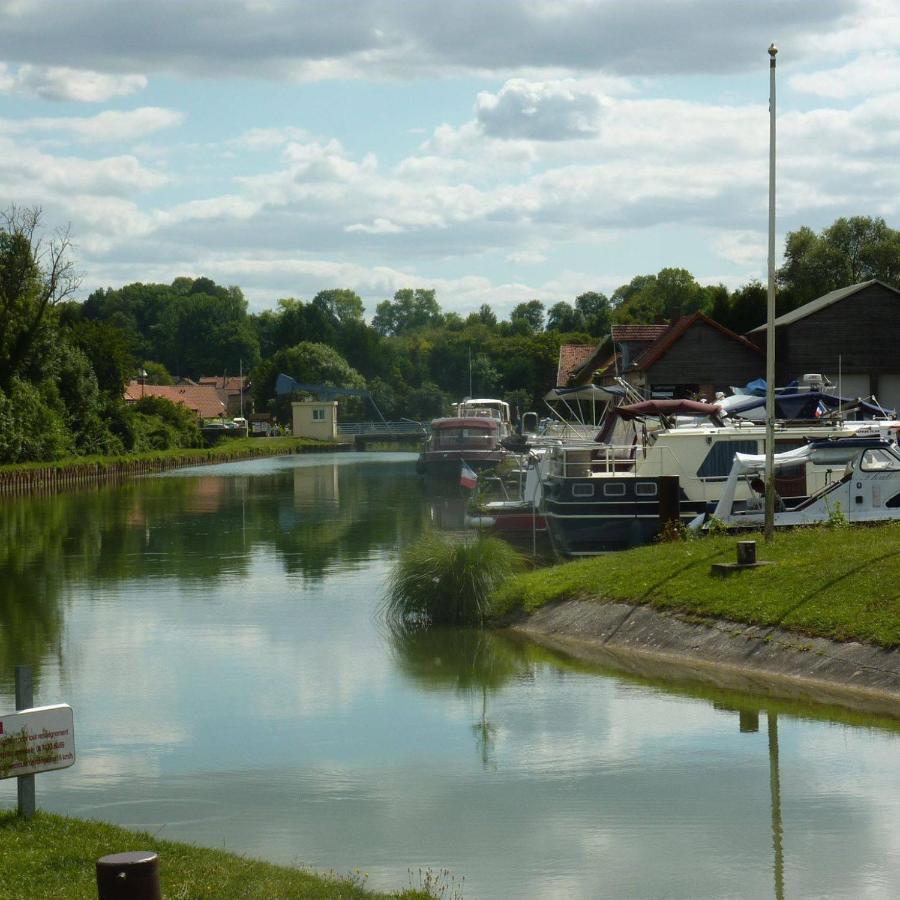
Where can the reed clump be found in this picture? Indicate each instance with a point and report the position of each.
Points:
(445, 581)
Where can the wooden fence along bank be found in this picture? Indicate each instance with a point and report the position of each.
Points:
(50, 478)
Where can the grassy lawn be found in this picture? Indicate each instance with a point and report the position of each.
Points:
(839, 583)
(52, 858)
(230, 448)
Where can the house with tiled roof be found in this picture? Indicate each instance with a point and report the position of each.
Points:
(694, 357)
(206, 401)
(234, 387)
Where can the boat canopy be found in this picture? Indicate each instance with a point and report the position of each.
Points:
(585, 392)
(804, 405)
(668, 408)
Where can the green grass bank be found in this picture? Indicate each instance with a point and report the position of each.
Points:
(26, 477)
(52, 858)
(837, 583)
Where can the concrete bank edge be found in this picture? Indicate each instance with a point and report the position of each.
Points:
(658, 643)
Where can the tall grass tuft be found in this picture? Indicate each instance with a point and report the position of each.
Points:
(442, 581)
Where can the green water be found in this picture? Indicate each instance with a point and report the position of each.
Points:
(217, 634)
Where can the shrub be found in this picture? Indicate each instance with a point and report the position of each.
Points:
(442, 581)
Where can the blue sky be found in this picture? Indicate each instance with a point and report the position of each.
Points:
(495, 151)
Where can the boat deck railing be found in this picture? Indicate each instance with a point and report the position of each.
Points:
(385, 428)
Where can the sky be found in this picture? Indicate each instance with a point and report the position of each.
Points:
(494, 150)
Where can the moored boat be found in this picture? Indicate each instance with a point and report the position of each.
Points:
(619, 491)
(472, 437)
(863, 485)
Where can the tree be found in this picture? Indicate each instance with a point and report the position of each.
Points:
(207, 332)
(157, 373)
(109, 350)
(527, 318)
(35, 275)
(563, 317)
(308, 363)
(344, 305)
(847, 252)
(746, 308)
(484, 316)
(410, 310)
(661, 298)
(596, 310)
(485, 378)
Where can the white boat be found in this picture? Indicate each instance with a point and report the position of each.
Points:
(862, 484)
(616, 492)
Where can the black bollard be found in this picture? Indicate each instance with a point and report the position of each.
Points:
(128, 876)
(746, 553)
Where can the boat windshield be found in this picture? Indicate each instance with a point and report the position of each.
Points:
(465, 438)
(879, 460)
(497, 409)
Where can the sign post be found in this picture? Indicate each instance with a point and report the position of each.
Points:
(34, 739)
(25, 700)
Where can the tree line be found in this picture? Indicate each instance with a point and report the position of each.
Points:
(64, 363)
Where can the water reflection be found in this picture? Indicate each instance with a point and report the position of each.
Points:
(467, 662)
(194, 527)
(216, 633)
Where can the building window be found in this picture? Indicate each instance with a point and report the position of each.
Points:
(318, 414)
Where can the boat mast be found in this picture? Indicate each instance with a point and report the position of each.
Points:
(769, 530)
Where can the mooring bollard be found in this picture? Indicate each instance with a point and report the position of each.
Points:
(128, 876)
(746, 553)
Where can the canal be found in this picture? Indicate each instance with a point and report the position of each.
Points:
(217, 632)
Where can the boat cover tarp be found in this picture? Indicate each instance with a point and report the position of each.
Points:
(668, 408)
(802, 405)
(753, 462)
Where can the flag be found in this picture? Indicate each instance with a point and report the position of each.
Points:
(467, 478)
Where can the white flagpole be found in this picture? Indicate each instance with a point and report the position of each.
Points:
(769, 531)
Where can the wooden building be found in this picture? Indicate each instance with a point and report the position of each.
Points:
(694, 357)
(850, 335)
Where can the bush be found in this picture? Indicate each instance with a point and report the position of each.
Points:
(31, 429)
(442, 581)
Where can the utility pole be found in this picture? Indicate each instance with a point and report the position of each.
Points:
(769, 531)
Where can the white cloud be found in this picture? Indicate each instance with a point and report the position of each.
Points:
(379, 226)
(108, 126)
(38, 177)
(744, 248)
(268, 138)
(526, 257)
(80, 85)
(550, 111)
(557, 160)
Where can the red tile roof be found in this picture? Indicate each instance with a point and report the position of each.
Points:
(571, 358)
(205, 400)
(232, 384)
(638, 332)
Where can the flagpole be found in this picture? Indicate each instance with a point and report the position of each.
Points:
(769, 530)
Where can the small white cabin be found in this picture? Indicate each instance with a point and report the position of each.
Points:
(315, 419)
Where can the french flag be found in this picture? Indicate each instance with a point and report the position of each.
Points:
(467, 478)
